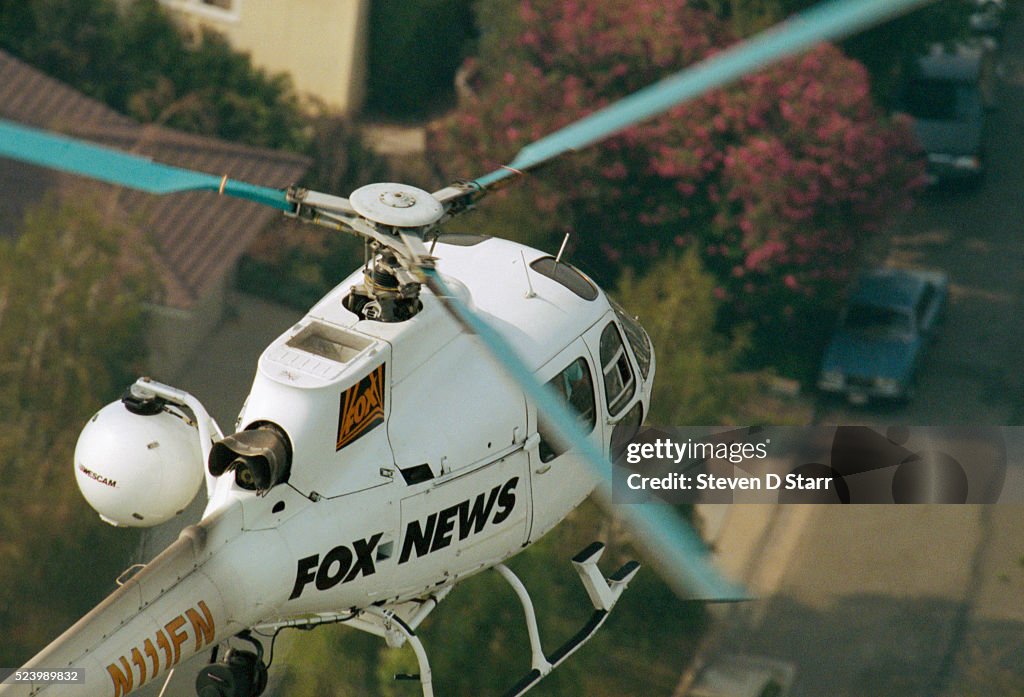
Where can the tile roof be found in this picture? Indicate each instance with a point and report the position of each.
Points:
(198, 236)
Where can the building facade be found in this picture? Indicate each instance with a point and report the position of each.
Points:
(321, 44)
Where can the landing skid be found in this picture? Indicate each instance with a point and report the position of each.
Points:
(604, 593)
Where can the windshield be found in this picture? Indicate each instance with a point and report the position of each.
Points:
(877, 321)
(636, 336)
(941, 100)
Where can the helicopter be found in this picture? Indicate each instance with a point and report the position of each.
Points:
(440, 410)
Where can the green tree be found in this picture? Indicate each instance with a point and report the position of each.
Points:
(696, 382)
(72, 40)
(71, 332)
(213, 90)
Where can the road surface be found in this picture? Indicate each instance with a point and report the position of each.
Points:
(921, 601)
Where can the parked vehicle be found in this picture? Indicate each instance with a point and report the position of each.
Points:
(946, 96)
(987, 16)
(888, 321)
(744, 676)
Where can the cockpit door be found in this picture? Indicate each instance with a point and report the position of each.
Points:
(623, 389)
(559, 479)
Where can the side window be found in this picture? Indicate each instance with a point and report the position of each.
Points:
(576, 389)
(619, 384)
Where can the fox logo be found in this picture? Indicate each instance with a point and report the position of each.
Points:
(362, 407)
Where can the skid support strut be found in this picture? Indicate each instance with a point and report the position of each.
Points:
(604, 593)
(397, 625)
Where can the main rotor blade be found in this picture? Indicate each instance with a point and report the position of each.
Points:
(115, 167)
(669, 543)
(823, 22)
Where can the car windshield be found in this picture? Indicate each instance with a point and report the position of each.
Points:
(941, 100)
(877, 321)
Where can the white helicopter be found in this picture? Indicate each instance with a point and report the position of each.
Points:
(382, 456)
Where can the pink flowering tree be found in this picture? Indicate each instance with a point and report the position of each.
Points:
(774, 181)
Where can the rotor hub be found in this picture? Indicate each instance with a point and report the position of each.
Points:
(396, 205)
(397, 199)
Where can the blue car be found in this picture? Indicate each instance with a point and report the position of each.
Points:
(889, 319)
(947, 97)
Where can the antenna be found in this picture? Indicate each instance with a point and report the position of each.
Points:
(561, 249)
(529, 284)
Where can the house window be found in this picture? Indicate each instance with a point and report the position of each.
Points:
(223, 10)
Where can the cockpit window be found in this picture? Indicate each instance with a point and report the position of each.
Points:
(576, 390)
(619, 384)
(637, 338)
(566, 275)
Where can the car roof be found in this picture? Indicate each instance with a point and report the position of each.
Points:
(962, 63)
(888, 288)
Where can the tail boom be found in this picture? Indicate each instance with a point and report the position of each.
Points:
(176, 606)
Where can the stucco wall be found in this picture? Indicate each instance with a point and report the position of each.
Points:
(176, 336)
(321, 44)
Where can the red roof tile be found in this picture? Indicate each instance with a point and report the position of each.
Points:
(198, 236)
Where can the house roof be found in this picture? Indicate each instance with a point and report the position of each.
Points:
(198, 236)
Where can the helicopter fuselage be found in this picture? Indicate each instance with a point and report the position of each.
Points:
(414, 463)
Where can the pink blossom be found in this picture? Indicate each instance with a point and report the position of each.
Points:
(776, 181)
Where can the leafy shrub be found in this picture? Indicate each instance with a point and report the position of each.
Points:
(774, 181)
